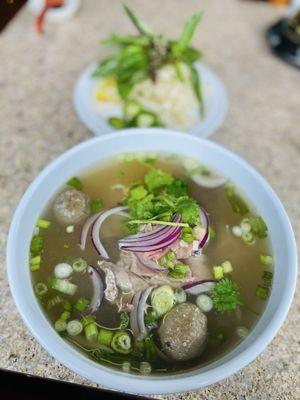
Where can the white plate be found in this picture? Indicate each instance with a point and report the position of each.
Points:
(214, 93)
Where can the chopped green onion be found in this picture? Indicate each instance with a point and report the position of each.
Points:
(90, 328)
(145, 368)
(258, 227)
(162, 299)
(237, 203)
(35, 263)
(237, 231)
(54, 302)
(267, 278)
(66, 245)
(68, 305)
(96, 206)
(212, 233)
(248, 238)
(266, 260)
(75, 183)
(63, 286)
(79, 265)
(131, 109)
(36, 244)
(74, 327)
(117, 123)
(245, 225)
(178, 271)
(121, 342)
(242, 331)
(218, 272)
(204, 303)
(187, 234)
(262, 292)
(126, 366)
(268, 275)
(40, 289)
(227, 267)
(60, 325)
(124, 320)
(65, 315)
(105, 337)
(42, 223)
(81, 304)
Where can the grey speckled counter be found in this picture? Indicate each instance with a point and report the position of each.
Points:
(37, 75)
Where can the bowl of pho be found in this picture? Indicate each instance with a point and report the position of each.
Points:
(149, 267)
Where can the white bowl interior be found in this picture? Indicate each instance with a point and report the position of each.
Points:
(92, 152)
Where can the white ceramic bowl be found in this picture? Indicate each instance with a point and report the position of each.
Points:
(94, 151)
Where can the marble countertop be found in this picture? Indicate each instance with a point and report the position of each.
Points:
(37, 76)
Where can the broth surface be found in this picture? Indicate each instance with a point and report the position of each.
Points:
(99, 183)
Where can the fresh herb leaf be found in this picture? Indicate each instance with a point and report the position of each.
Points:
(75, 183)
(155, 179)
(189, 30)
(138, 193)
(196, 85)
(258, 227)
(188, 209)
(178, 188)
(237, 203)
(140, 25)
(96, 206)
(150, 317)
(226, 296)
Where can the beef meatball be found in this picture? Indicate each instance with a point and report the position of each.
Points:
(183, 332)
(70, 206)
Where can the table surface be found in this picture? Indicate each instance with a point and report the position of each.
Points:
(37, 76)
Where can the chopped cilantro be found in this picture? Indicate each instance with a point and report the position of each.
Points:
(258, 227)
(75, 182)
(189, 210)
(156, 179)
(138, 193)
(226, 296)
(96, 206)
(178, 188)
(237, 203)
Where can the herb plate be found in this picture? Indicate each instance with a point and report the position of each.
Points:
(214, 93)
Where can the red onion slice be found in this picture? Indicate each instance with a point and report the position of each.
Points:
(161, 242)
(141, 311)
(199, 287)
(98, 290)
(85, 229)
(97, 226)
(149, 263)
(153, 234)
(205, 224)
(133, 315)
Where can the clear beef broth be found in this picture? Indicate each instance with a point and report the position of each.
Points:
(98, 183)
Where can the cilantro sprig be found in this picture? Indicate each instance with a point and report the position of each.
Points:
(226, 296)
(159, 198)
